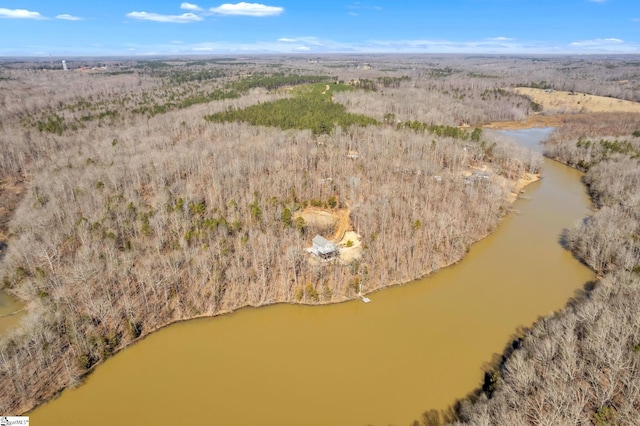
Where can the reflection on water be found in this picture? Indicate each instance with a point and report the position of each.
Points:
(414, 348)
(529, 138)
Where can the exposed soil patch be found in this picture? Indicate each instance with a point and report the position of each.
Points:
(342, 235)
(350, 247)
(521, 184)
(537, 120)
(318, 217)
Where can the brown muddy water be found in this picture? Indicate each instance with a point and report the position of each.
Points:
(414, 347)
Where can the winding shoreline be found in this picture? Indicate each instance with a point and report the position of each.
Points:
(514, 188)
(398, 307)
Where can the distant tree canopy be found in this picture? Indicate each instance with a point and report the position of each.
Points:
(278, 80)
(393, 81)
(152, 108)
(183, 76)
(308, 109)
(441, 130)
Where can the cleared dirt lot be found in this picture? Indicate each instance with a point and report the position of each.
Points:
(343, 235)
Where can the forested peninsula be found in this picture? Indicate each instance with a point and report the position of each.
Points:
(140, 193)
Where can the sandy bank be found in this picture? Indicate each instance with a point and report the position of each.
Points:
(531, 121)
(521, 184)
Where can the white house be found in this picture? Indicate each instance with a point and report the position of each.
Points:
(323, 248)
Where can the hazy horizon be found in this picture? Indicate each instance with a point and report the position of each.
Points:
(169, 28)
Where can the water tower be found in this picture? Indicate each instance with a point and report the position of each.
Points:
(64, 65)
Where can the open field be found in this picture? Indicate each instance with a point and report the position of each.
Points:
(558, 101)
(560, 107)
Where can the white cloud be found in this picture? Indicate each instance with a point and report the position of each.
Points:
(19, 14)
(316, 45)
(598, 42)
(247, 9)
(499, 39)
(604, 45)
(322, 45)
(598, 1)
(185, 18)
(67, 17)
(190, 6)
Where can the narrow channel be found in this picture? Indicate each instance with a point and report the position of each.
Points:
(414, 347)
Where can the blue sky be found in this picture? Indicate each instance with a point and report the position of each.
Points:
(159, 27)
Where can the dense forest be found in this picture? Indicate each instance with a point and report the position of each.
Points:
(159, 191)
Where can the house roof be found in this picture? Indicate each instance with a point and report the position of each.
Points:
(322, 246)
(319, 240)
